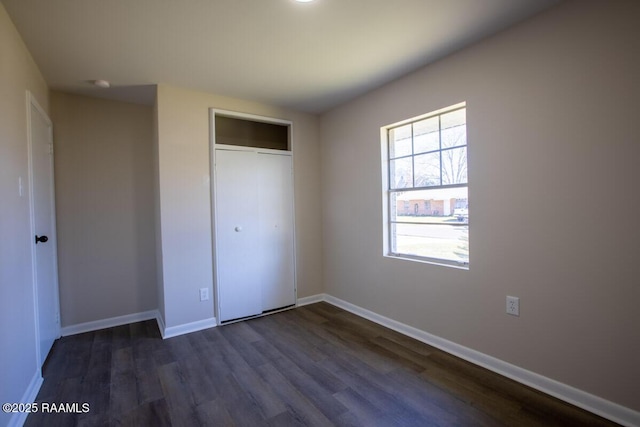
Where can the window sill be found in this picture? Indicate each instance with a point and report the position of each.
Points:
(432, 261)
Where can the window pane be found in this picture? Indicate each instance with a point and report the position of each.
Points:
(454, 166)
(437, 206)
(454, 129)
(454, 118)
(400, 141)
(426, 136)
(393, 200)
(427, 171)
(446, 242)
(401, 173)
(402, 207)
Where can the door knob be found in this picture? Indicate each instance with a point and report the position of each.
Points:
(238, 229)
(41, 239)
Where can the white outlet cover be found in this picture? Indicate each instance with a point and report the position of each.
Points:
(513, 306)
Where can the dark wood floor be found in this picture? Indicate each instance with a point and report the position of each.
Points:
(314, 365)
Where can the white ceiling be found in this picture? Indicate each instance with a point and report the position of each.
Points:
(304, 56)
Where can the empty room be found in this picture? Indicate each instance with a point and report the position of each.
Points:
(319, 212)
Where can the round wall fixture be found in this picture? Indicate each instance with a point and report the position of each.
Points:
(102, 83)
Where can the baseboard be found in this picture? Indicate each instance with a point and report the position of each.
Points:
(589, 402)
(161, 326)
(311, 300)
(174, 331)
(108, 323)
(29, 396)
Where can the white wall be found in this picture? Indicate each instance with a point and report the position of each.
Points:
(18, 358)
(185, 202)
(554, 142)
(105, 207)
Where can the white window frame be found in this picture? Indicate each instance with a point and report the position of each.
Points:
(388, 191)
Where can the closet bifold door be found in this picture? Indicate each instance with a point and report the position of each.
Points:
(254, 247)
(276, 226)
(237, 229)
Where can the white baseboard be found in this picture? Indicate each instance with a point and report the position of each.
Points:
(29, 396)
(597, 405)
(166, 332)
(311, 300)
(174, 331)
(108, 323)
(160, 321)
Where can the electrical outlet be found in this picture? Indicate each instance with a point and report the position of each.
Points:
(513, 306)
(204, 294)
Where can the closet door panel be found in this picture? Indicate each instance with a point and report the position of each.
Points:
(238, 252)
(275, 188)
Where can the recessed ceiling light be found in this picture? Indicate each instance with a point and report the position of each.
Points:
(102, 83)
(304, 1)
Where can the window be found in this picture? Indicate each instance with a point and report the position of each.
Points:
(426, 169)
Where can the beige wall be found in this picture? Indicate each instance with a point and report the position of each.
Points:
(18, 73)
(105, 207)
(185, 200)
(552, 126)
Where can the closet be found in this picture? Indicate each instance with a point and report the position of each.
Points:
(253, 212)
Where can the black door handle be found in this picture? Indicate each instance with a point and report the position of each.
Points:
(41, 239)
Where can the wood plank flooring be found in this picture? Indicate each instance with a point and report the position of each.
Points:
(315, 365)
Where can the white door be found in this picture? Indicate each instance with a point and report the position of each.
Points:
(275, 190)
(236, 227)
(44, 229)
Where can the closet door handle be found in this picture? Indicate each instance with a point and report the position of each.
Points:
(238, 229)
(41, 239)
